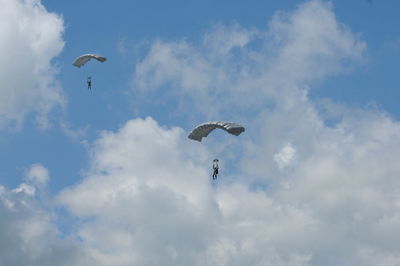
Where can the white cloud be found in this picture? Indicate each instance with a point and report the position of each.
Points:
(150, 201)
(38, 174)
(30, 37)
(285, 156)
(26, 189)
(147, 200)
(238, 69)
(152, 184)
(344, 178)
(74, 134)
(140, 148)
(28, 235)
(311, 43)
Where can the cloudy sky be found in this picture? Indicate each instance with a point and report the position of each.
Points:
(108, 177)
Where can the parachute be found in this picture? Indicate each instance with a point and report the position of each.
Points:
(202, 131)
(83, 59)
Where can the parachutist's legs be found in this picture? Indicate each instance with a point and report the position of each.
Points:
(215, 174)
(89, 83)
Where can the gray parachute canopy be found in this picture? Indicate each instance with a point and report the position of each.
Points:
(83, 59)
(202, 131)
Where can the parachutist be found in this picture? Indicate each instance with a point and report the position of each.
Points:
(215, 168)
(202, 131)
(89, 83)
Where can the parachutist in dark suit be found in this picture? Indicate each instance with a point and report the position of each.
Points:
(89, 83)
(215, 168)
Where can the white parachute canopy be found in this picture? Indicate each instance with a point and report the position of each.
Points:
(202, 131)
(83, 59)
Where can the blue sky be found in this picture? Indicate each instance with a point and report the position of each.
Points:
(314, 82)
